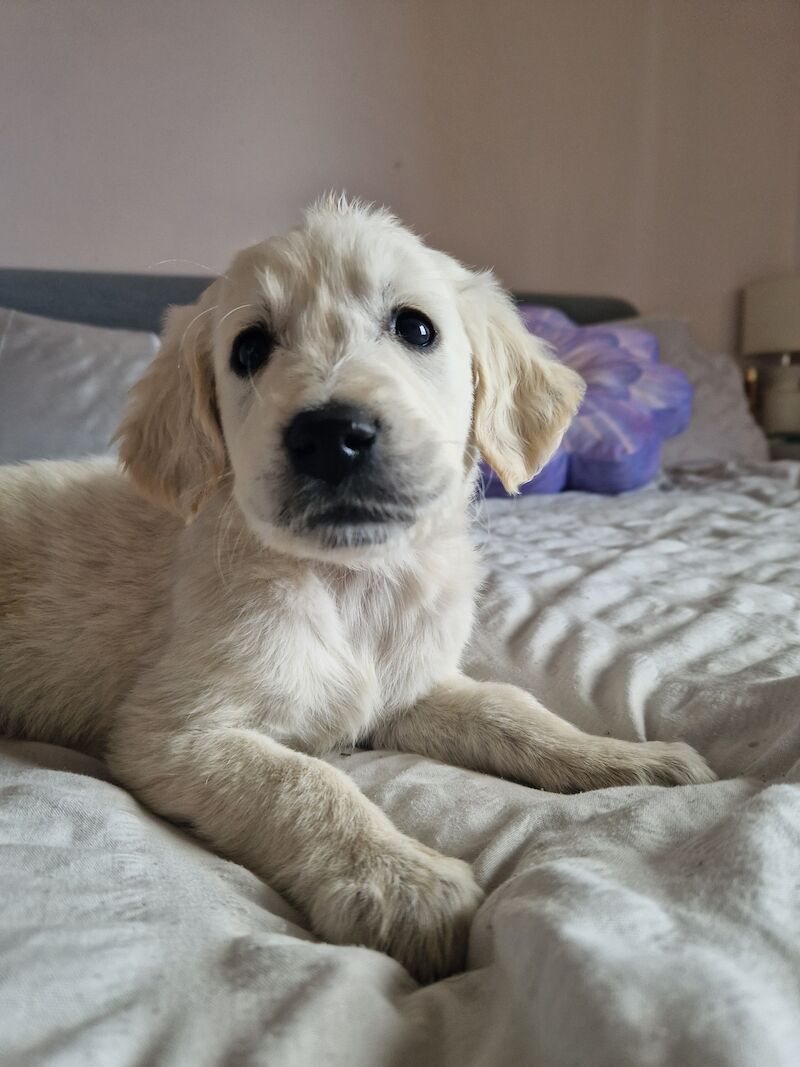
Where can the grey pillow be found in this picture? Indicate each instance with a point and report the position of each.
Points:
(63, 386)
(721, 428)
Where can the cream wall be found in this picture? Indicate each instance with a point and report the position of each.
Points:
(649, 148)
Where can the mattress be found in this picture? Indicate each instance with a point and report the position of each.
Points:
(633, 925)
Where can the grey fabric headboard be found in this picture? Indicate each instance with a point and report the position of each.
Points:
(138, 301)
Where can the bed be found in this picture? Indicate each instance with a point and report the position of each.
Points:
(625, 926)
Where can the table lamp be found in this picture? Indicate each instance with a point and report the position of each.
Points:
(771, 343)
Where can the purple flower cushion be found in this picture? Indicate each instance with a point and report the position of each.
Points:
(632, 403)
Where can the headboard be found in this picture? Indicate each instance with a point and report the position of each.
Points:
(137, 301)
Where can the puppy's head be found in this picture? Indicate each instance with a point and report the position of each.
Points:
(345, 377)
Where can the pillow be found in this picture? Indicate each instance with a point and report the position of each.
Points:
(632, 403)
(722, 428)
(63, 386)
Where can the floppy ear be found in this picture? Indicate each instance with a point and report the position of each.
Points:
(170, 438)
(524, 399)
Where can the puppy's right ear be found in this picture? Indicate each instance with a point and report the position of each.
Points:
(170, 438)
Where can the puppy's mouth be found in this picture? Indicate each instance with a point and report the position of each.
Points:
(356, 514)
(360, 514)
(353, 524)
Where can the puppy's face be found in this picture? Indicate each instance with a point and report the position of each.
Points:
(346, 376)
(344, 383)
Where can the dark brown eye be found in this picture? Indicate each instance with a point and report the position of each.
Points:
(413, 327)
(251, 350)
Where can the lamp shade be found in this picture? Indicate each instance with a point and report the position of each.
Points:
(771, 320)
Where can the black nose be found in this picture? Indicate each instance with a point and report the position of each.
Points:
(330, 443)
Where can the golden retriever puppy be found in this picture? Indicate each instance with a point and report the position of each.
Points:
(282, 565)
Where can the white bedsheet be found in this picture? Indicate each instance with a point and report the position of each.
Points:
(627, 926)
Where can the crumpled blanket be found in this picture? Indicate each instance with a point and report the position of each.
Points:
(625, 926)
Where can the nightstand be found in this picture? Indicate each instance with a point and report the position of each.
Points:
(784, 446)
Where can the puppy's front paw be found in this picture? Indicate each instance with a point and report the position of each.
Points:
(408, 901)
(648, 763)
(671, 763)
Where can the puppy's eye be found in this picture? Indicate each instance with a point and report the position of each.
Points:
(413, 327)
(251, 350)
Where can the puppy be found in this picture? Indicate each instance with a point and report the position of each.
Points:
(283, 566)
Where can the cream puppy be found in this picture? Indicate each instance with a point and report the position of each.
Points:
(282, 565)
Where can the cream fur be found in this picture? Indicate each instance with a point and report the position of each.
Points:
(211, 654)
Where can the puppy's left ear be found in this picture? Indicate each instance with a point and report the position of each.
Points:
(524, 399)
(170, 440)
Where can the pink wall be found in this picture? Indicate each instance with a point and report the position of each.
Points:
(649, 148)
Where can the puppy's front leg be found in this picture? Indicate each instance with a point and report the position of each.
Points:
(306, 829)
(503, 730)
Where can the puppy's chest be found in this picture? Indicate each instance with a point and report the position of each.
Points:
(341, 655)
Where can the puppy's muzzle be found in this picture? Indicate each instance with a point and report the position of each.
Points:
(331, 443)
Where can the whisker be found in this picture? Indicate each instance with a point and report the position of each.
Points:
(192, 262)
(220, 535)
(238, 542)
(255, 390)
(231, 312)
(479, 511)
(199, 315)
(215, 481)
